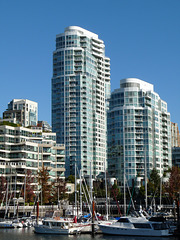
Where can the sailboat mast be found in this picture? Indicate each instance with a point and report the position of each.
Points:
(106, 193)
(80, 192)
(124, 192)
(15, 196)
(92, 201)
(24, 193)
(75, 191)
(6, 200)
(145, 179)
(124, 177)
(160, 192)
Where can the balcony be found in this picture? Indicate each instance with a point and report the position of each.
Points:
(139, 142)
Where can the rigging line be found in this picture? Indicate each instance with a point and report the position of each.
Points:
(115, 197)
(85, 192)
(88, 195)
(131, 195)
(86, 188)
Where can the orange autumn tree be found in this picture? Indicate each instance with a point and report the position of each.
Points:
(172, 187)
(3, 186)
(29, 187)
(45, 185)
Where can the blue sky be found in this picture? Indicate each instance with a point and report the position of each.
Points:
(142, 39)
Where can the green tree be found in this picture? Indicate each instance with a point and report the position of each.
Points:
(70, 179)
(99, 189)
(153, 186)
(141, 195)
(59, 190)
(116, 193)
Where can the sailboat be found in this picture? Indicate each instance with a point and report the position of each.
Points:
(6, 223)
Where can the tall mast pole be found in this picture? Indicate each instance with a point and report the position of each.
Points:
(124, 177)
(91, 182)
(160, 192)
(24, 193)
(145, 179)
(75, 191)
(80, 192)
(106, 193)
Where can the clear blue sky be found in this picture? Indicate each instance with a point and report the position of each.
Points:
(142, 39)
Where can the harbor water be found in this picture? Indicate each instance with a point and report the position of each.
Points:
(28, 234)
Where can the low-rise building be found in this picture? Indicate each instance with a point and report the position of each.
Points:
(23, 149)
(22, 111)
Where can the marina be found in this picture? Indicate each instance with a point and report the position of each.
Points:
(109, 166)
(28, 233)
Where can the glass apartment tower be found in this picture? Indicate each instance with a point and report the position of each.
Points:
(80, 88)
(139, 132)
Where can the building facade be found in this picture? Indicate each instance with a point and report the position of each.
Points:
(23, 149)
(45, 126)
(80, 88)
(22, 111)
(175, 138)
(176, 156)
(139, 132)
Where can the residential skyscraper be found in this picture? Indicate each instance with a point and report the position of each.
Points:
(139, 132)
(22, 111)
(80, 88)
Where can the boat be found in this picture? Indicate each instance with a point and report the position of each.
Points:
(17, 223)
(136, 226)
(6, 224)
(61, 227)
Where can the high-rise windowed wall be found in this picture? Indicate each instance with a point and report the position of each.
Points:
(139, 132)
(80, 88)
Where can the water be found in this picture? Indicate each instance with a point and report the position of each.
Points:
(28, 234)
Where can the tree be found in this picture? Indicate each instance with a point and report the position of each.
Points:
(116, 193)
(153, 185)
(46, 187)
(29, 191)
(70, 179)
(3, 186)
(173, 185)
(99, 189)
(58, 190)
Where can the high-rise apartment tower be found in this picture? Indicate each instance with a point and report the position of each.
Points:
(80, 88)
(139, 132)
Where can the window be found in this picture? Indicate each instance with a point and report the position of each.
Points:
(142, 225)
(123, 220)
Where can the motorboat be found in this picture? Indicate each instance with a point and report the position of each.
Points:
(6, 224)
(17, 223)
(53, 226)
(136, 226)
